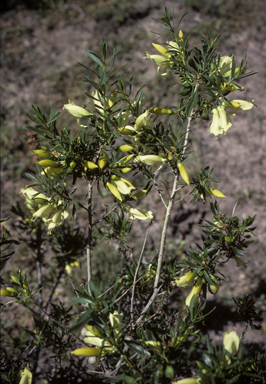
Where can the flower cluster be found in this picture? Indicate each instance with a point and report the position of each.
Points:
(94, 336)
(222, 115)
(52, 214)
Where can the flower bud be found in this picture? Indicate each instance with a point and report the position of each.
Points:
(91, 165)
(86, 352)
(215, 287)
(162, 50)
(125, 170)
(183, 171)
(126, 148)
(76, 111)
(103, 161)
(114, 191)
(43, 154)
(72, 164)
(217, 193)
(231, 343)
(161, 111)
(7, 292)
(195, 292)
(48, 163)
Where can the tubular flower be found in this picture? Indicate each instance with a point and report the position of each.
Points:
(123, 185)
(239, 105)
(225, 65)
(150, 159)
(95, 337)
(33, 195)
(52, 215)
(220, 122)
(26, 376)
(143, 122)
(135, 213)
(195, 292)
(189, 380)
(75, 110)
(164, 60)
(231, 343)
(9, 291)
(183, 281)
(114, 191)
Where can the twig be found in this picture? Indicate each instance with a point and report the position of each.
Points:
(159, 192)
(103, 217)
(137, 271)
(166, 221)
(54, 288)
(89, 249)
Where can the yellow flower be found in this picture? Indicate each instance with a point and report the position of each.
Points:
(51, 170)
(103, 161)
(143, 122)
(135, 213)
(225, 66)
(70, 266)
(183, 281)
(86, 352)
(195, 292)
(123, 185)
(183, 171)
(52, 215)
(150, 159)
(161, 111)
(217, 193)
(114, 191)
(189, 380)
(94, 337)
(9, 291)
(116, 323)
(126, 148)
(221, 122)
(48, 163)
(43, 154)
(76, 111)
(33, 195)
(26, 376)
(231, 343)
(239, 105)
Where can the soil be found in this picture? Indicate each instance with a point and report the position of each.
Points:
(40, 49)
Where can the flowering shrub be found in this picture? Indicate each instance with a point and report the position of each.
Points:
(124, 334)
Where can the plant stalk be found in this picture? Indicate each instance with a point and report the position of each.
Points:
(89, 248)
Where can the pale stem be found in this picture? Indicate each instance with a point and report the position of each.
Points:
(165, 225)
(137, 271)
(89, 249)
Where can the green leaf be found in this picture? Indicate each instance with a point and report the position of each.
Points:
(139, 349)
(83, 318)
(32, 177)
(94, 57)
